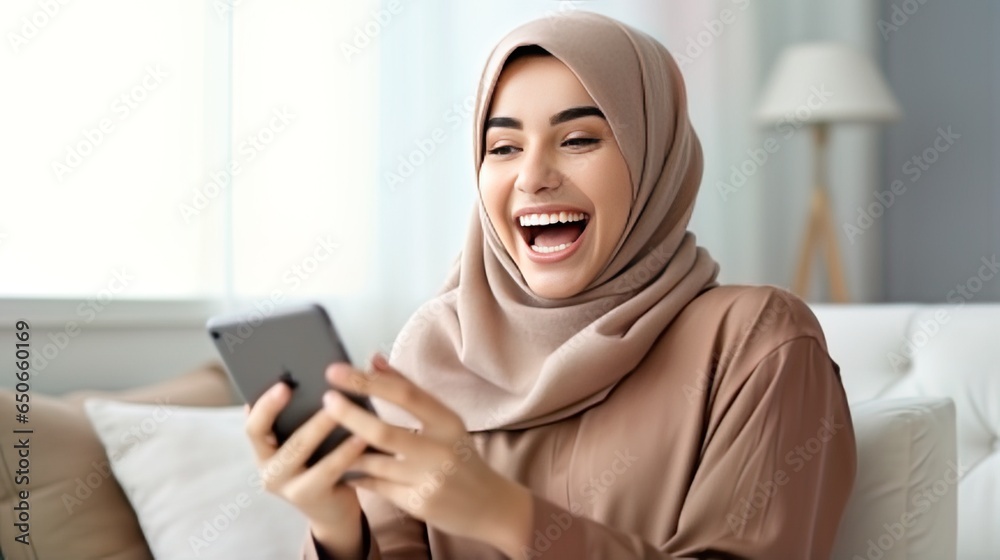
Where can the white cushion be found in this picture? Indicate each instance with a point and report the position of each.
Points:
(951, 351)
(906, 493)
(190, 476)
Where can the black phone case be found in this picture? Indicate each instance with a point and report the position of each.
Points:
(294, 345)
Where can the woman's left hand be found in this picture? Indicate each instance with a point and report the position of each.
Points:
(434, 474)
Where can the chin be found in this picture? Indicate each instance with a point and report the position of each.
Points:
(554, 286)
(553, 292)
(557, 280)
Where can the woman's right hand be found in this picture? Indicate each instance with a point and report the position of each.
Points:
(333, 509)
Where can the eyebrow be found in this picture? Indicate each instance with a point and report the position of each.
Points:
(565, 115)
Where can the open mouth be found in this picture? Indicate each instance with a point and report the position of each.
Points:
(553, 231)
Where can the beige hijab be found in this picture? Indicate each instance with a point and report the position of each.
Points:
(503, 357)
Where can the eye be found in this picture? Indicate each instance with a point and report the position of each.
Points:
(580, 142)
(503, 150)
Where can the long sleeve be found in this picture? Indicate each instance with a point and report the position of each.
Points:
(776, 468)
(395, 535)
(389, 533)
(312, 550)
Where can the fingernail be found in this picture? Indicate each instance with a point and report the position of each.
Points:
(379, 361)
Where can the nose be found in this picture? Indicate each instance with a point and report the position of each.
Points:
(537, 172)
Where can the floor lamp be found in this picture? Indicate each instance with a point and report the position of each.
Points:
(816, 85)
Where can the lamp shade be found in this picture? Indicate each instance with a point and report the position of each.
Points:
(826, 82)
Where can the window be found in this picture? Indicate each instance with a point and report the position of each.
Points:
(192, 149)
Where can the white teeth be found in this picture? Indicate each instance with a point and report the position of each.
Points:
(540, 249)
(546, 219)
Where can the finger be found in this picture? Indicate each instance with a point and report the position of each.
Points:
(385, 467)
(387, 383)
(306, 438)
(405, 497)
(327, 470)
(360, 422)
(261, 417)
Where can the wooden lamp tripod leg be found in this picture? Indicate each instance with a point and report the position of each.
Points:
(809, 245)
(820, 229)
(834, 264)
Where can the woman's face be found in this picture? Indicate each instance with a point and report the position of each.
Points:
(554, 182)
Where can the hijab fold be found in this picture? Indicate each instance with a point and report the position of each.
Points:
(500, 355)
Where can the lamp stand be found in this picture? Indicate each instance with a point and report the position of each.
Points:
(820, 228)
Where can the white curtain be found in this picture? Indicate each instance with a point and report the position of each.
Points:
(376, 157)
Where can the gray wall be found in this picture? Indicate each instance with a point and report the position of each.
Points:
(942, 64)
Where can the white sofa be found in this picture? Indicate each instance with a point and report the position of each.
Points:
(926, 420)
(925, 353)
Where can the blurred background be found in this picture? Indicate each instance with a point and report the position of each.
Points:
(162, 162)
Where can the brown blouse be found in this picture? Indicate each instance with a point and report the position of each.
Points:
(744, 439)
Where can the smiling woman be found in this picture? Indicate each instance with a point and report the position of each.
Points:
(582, 388)
(553, 180)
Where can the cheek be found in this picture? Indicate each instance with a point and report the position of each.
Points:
(495, 197)
(620, 203)
(621, 194)
(611, 192)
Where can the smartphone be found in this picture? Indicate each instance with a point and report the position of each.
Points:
(292, 345)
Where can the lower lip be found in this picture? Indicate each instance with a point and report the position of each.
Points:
(549, 258)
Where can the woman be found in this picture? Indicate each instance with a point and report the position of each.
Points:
(582, 387)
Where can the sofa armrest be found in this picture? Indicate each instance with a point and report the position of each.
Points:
(77, 509)
(205, 385)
